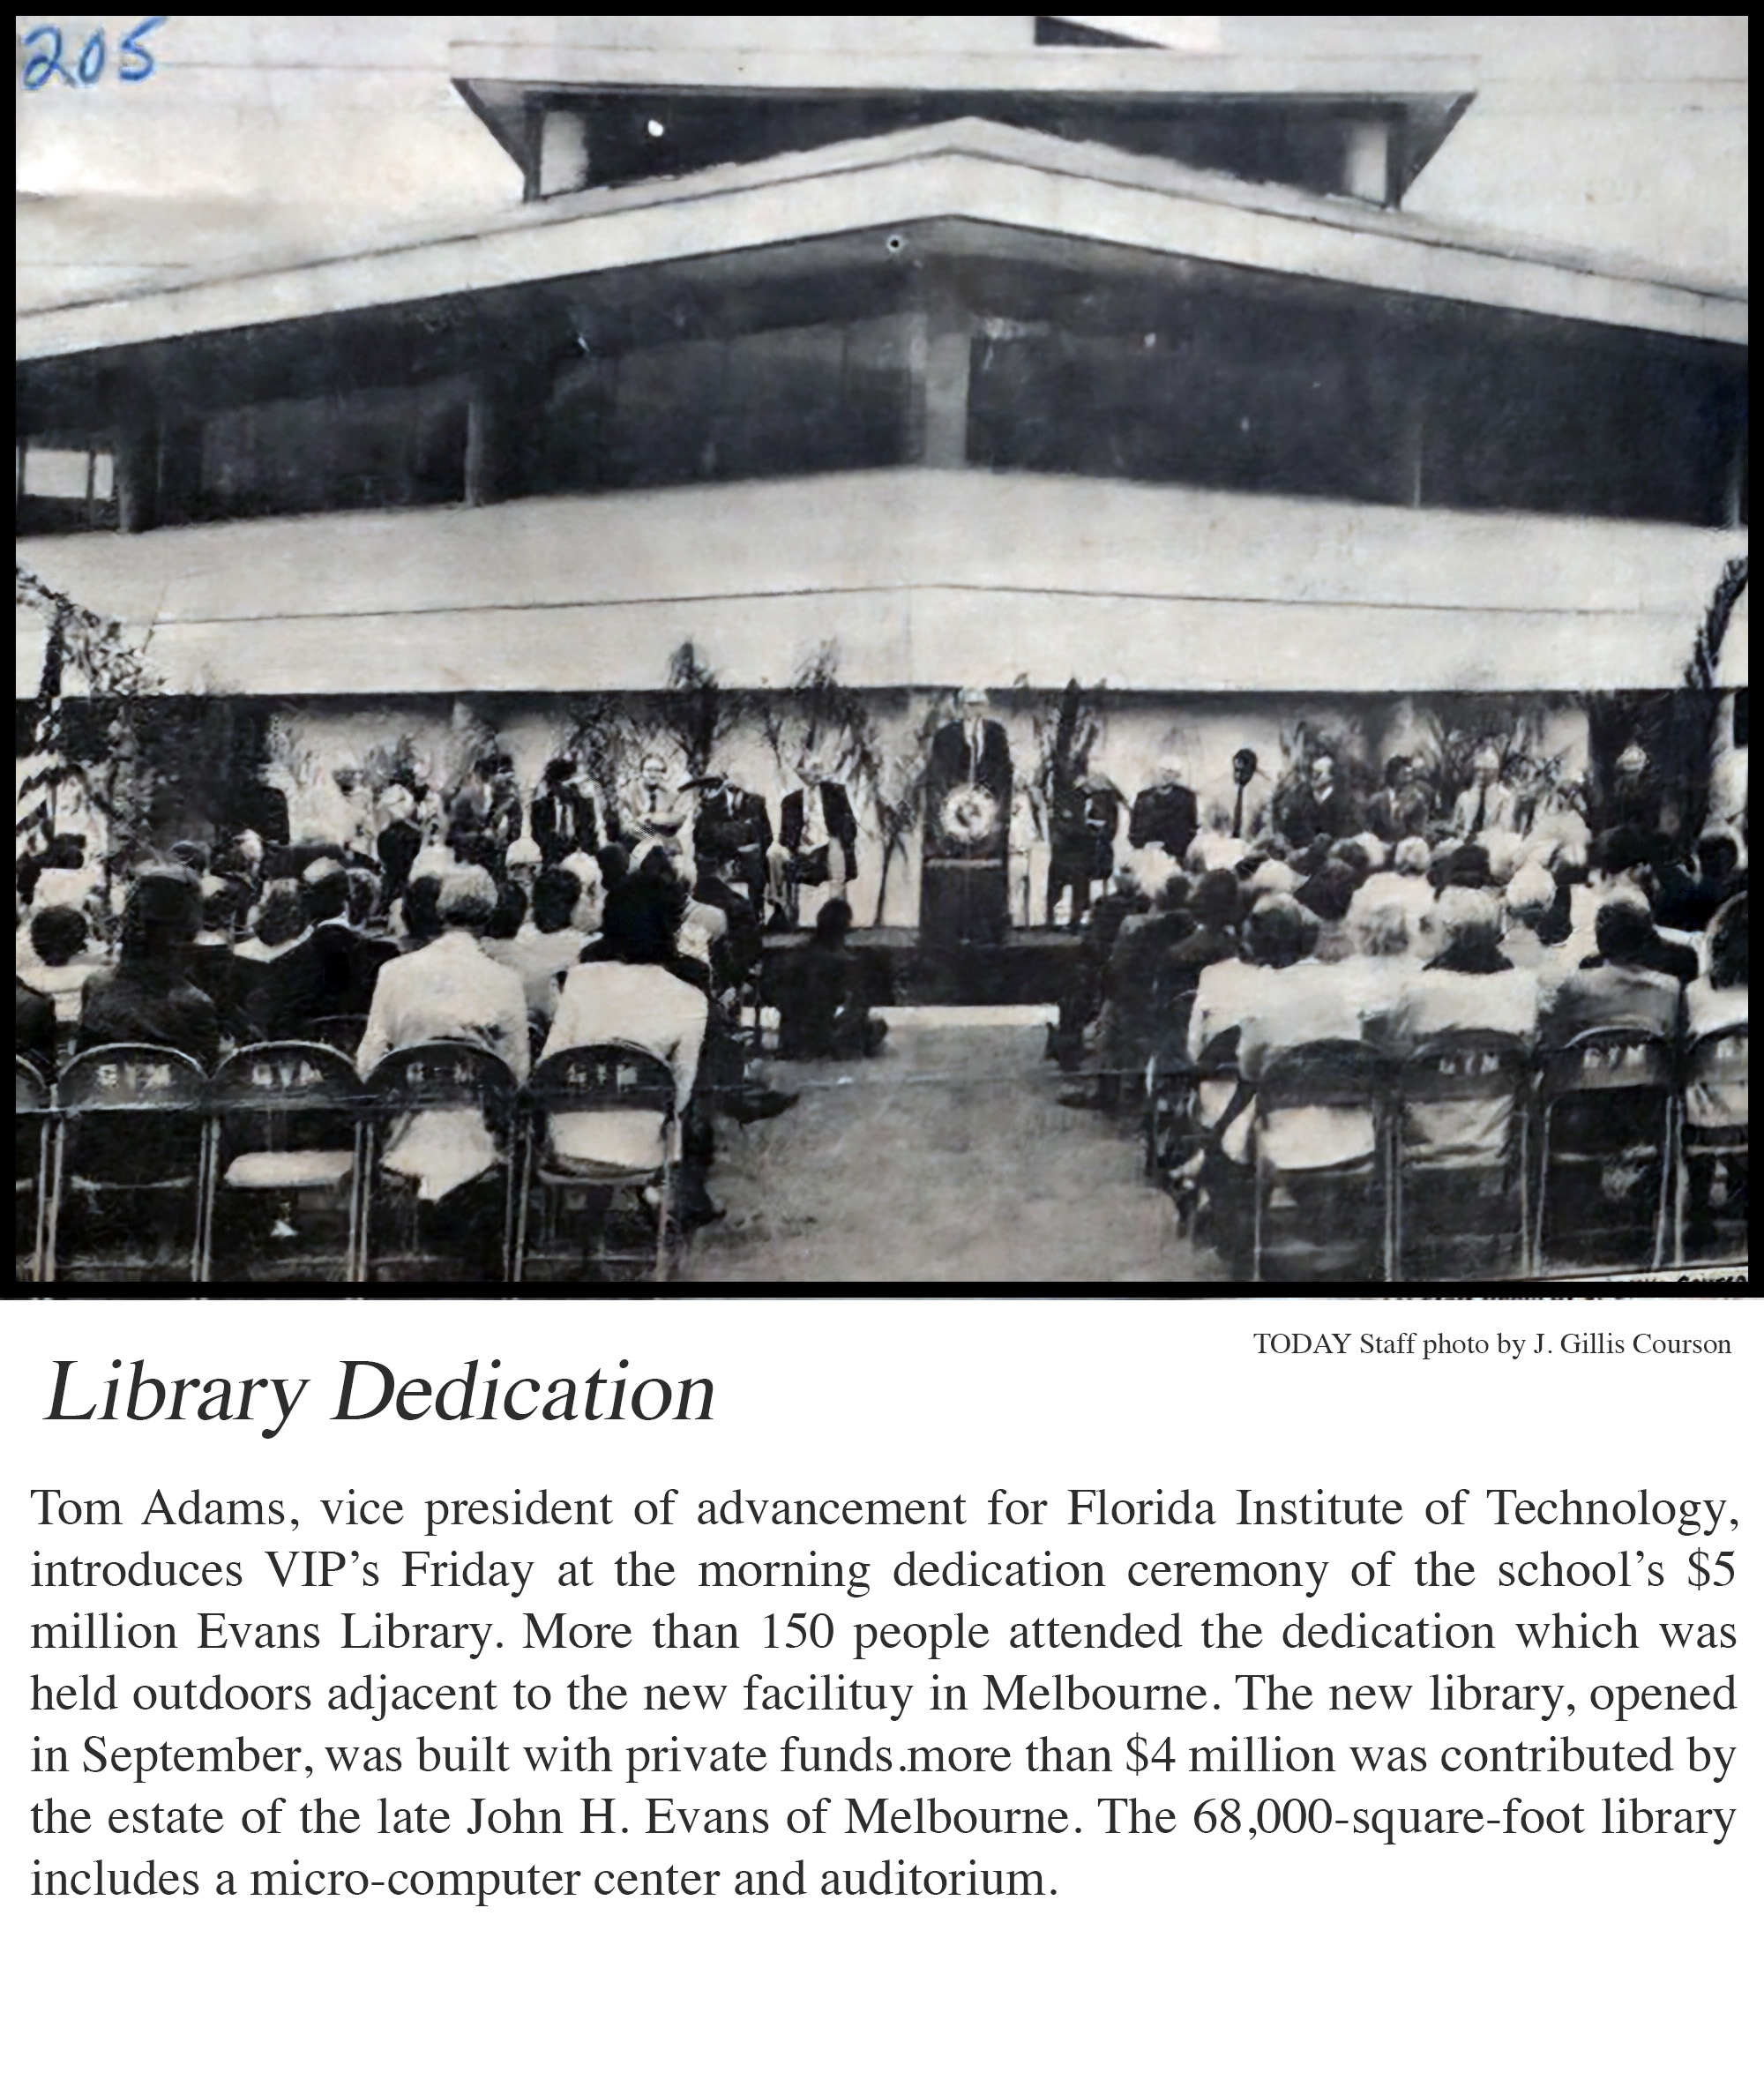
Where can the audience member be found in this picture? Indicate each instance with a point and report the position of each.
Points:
(149, 996)
(547, 943)
(1622, 985)
(823, 1002)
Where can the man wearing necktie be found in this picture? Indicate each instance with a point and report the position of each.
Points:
(652, 809)
(965, 894)
(1487, 804)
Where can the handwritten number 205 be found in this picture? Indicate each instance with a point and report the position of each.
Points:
(48, 57)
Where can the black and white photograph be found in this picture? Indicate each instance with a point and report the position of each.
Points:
(928, 651)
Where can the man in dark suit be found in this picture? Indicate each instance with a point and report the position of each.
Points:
(817, 843)
(733, 827)
(565, 819)
(330, 972)
(1086, 815)
(973, 752)
(1165, 814)
(964, 895)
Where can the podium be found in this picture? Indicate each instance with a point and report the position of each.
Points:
(964, 902)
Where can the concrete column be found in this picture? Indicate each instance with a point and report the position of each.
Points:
(138, 475)
(1365, 166)
(942, 350)
(562, 165)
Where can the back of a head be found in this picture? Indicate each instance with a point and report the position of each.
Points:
(554, 896)
(364, 898)
(282, 914)
(1717, 856)
(191, 855)
(637, 926)
(58, 935)
(1530, 896)
(222, 902)
(1354, 855)
(1625, 931)
(1382, 931)
(1173, 895)
(832, 921)
(1411, 856)
(423, 907)
(1217, 901)
(325, 891)
(1278, 932)
(1466, 921)
(163, 914)
(510, 913)
(1727, 958)
(1468, 867)
(615, 864)
(468, 899)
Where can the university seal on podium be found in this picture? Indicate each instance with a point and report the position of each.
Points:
(969, 814)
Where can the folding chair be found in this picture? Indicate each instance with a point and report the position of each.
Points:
(585, 1081)
(1605, 1136)
(1460, 1156)
(285, 1125)
(340, 1030)
(1709, 1202)
(1169, 1081)
(128, 1165)
(34, 1114)
(434, 1080)
(1342, 1077)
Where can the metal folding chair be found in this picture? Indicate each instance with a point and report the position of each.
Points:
(1344, 1076)
(1605, 1120)
(587, 1081)
(285, 1125)
(340, 1030)
(1714, 1146)
(131, 1153)
(32, 1108)
(1460, 1154)
(440, 1077)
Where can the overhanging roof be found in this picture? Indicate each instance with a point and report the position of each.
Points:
(971, 171)
(1142, 97)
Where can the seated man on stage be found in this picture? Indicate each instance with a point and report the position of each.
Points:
(733, 827)
(1488, 804)
(817, 845)
(652, 809)
(1319, 807)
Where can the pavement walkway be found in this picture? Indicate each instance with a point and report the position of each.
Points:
(946, 1160)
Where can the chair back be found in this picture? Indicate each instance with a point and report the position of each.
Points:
(285, 1076)
(342, 1032)
(1454, 1067)
(1328, 1072)
(614, 1078)
(132, 1077)
(1718, 1062)
(1608, 1059)
(32, 1088)
(444, 1076)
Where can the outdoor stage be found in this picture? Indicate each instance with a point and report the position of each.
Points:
(1038, 965)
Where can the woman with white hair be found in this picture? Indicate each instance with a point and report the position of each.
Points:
(451, 989)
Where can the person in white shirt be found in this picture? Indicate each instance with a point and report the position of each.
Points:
(451, 989)
(626, 995)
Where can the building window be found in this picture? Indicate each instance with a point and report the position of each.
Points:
(64, 488)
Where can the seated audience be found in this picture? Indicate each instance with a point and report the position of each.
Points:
(149, 996)
(547, 943)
